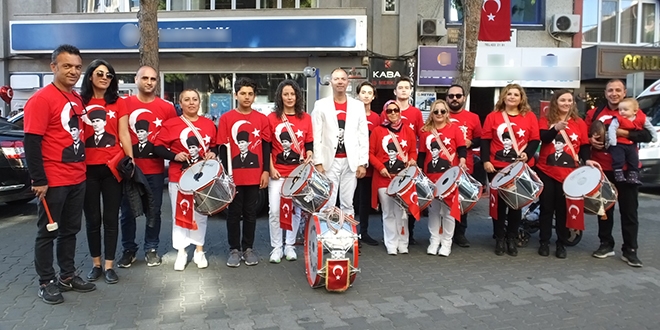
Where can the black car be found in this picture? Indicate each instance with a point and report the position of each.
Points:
(15, 181)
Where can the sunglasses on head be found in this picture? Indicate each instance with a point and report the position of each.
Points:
(437, 112)
(108, 75)
(456, 96)
(390, 110)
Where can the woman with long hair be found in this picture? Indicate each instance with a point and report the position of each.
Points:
(292, 145)
(510, 134)
(185, 140)
(441, 146)
(105, 134)
(564, 146)
(392, 147)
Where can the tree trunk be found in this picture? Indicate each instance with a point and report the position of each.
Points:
(467, 43)
(148, 22)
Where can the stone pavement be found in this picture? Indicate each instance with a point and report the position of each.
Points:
(471, 289)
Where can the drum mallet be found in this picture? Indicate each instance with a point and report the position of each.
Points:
(52, 225)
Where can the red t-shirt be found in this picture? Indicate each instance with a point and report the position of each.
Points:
(178, 137)
(244, 133)
(558, 164)
(502, 153)
(373, 121)
(602, 157)
(101, 146)
(636, 124)
(452, 137)
(55, 115)
(380, 143)
(285, 162)
(411, 116)
(145, 121)
(340, 109)
(470, 125)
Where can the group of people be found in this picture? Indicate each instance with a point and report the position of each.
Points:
(73, 138)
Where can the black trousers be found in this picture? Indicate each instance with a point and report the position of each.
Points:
(101, 184)
(364, 203)
(505, 214)
(627, 204)
(66, 207)
(243, 207)
(553, 204)
(624, 154)
(461, 226)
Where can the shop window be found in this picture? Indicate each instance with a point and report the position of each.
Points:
(222, 4)
(619, 21)
(523, 12)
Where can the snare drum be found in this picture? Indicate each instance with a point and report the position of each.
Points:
(331, 252)
(412, 178)
(518, 185)
(212, 189)
(590, 183)
(469, 189)
(308, 188)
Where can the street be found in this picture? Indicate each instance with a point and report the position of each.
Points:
(471, 289)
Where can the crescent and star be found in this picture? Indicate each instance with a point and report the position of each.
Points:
(132, 119)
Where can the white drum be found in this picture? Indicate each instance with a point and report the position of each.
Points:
(590, 183)
(469, 189)
(212, 189)
(412, 178)
(308, 188)
(518, 185)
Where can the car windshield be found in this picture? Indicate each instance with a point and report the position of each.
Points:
(651, 107)
(5, 125)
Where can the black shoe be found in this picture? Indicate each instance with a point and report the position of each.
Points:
(544, 249)
(511, 247)
(630, 257)
(94, 274)
(618, 176)
(633, 178)
(366, 239)
(461, 241)
(50, 293)
(127, 259)
(604, 250)
(152, 258)
(110, 276)
(359, 244)
(75, 283)
(499, 246)
(412, 241)
(561, 251)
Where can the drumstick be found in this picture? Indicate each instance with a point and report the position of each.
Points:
(229, 169)
(52, 225)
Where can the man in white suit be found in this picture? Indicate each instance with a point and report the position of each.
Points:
(343, 163)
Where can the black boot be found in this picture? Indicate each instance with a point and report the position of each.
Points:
(633, 178)
(561, 251)
(511, 248)
(499, 246)
(544, 249)
(618, 176)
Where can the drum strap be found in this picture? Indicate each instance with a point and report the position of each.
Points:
(576, 158)
(296, 144)
(195, 131)
(511, 134)
(450, 156)
(403, 156)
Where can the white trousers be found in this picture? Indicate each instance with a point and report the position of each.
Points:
(182, 237)
(343, 179)
(439, 216)
(274, 189)
(395, 223)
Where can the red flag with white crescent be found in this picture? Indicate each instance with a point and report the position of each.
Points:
(454, 205)
(495, 20)
(286, 211)
(574, 214)
(337, 274)
(410, 198)
(493, 203)
(184, 211)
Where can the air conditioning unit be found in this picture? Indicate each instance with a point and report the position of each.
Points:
(432, 27)
(565, 23)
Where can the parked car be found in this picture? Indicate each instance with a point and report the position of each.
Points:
(15, 184)
(649, 153)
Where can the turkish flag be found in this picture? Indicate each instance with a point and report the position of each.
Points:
(495, 21)
(184, 211)
(454, 205)
(574, 214)
(410, 198)
(286, 211)
(493, 203)
(337, 274)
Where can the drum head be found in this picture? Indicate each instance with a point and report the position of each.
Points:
(313, 252)
(402, 180)
(583, 180)
(297, 179)
(199, 174)
(448, 180)
(507, 174)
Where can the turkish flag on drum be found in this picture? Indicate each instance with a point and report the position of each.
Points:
(495, 21)
(493, 203)
(574, 214)
(286, 211)
(184, 211)
(454, 205)
(410, 198)
(338, 273)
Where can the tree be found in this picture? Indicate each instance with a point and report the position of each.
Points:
(467, 41)
(148, 22)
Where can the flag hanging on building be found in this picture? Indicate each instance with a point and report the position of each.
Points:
(495, 20)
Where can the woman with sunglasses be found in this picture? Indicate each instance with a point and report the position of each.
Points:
(392, 147)
(105, 135)
(441, 146)
(557, 159)
(502, 144)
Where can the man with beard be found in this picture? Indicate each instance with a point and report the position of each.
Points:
(470, 125)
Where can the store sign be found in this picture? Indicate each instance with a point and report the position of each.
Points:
(384, 73)
(638, 62)
(329, 33)
(436, 65)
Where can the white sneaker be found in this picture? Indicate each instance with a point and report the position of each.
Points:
(432, 249)
(200, 259)
(445, 251)
(402, 249)
(181, 260)
(276, 255)
(290, 253)
(391, 252)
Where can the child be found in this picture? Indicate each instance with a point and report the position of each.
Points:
(622, 149)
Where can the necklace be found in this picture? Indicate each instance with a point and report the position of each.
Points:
(75, 114)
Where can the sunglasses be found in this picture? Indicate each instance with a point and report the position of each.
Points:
(108, 75)
(390, 110)
(456, 96)
(437, 112)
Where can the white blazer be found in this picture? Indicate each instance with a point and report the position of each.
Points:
(326, 133)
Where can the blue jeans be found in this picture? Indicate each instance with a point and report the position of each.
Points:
(127, 220)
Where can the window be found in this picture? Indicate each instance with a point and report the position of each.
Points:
(523, 12)
(620, 21)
